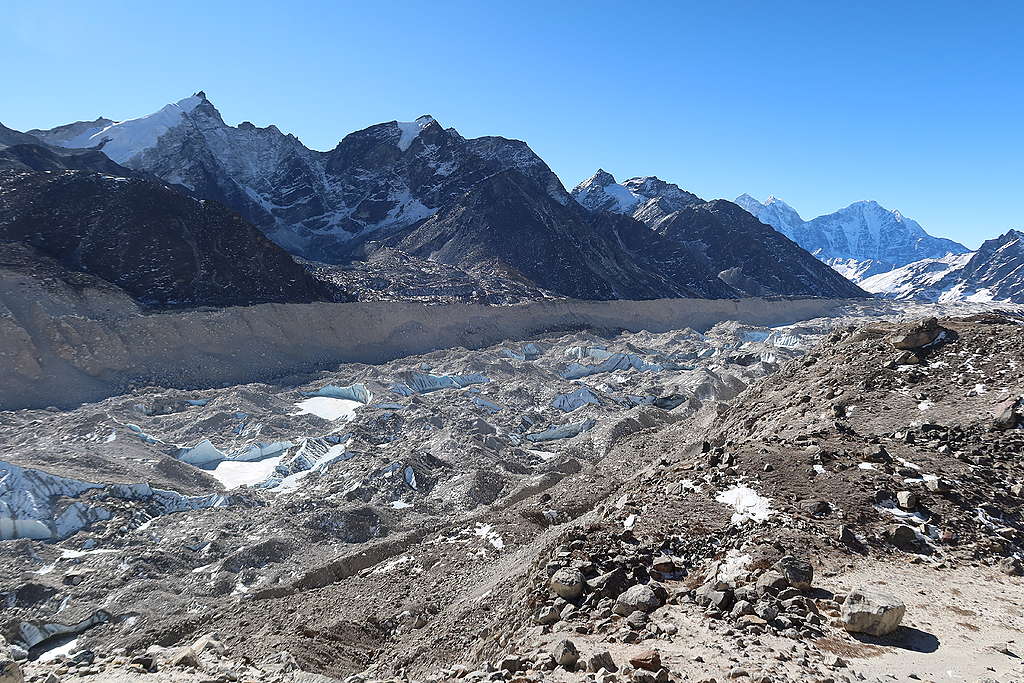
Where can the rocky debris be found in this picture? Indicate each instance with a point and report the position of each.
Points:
(636, 598)
(873, 612)
(10, 670)
(565, 653)
(916, 335)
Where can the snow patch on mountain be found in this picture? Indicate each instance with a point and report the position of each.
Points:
(410, 130)
(125, 140)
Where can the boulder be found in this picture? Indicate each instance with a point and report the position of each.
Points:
(916, 335)
(548, 615)
(1007, 414)
(771, 581)
(903, 537)
(610, 584)
(798, 571)
(648, 660)
(907, 500)
(601, 660)
(639, 597)
(873, 612)
(567, 583)
(565, 654)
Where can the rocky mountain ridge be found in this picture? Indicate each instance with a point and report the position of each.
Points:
(995, 272)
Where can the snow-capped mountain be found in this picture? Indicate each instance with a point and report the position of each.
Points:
(487, 206)
(861, 240)
(742, 251)
(313, 203)
(995, 272)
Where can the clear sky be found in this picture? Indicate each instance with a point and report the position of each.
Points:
(918, 105)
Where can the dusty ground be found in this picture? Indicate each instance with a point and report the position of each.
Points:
(342, 579)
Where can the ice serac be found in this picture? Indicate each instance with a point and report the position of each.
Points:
(388, 176)
(859, 241)
(995, 272)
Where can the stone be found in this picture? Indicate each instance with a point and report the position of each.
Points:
(648, 660)
(771, 581)
(547, 615)
(510, 664)
(565, 653)
(10, 670)
(903, 537)
(639, 597)
(1007, 414)
(601, 660)
(916, 335)
(815, 507)
(937, 485)
(610, 584)
(184, 657)
(798, 571)
(567, 583)
(873, 612)
(907, 500)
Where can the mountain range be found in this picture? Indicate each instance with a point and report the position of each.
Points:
(859, 241)
(488, 208)
(416, 210)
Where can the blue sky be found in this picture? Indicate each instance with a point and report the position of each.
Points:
(917, 105)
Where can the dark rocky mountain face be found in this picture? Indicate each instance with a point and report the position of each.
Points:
(718, 237)
(749, 255)
(315, 204)
(161, 247)
(508, 225)
(486, 207)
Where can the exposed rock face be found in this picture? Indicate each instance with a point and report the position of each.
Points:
(872, 612)
(739, 250)
(509, 226)
(750, 256)
(390, 175)
(159, 246)
(861, 240)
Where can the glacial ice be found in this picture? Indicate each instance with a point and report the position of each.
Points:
(561, 431)
(30, 502)
(329, 409)
(577, 399)
(423, 383)
(352, 392)
(612, 362)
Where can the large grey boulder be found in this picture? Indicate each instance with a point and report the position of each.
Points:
(637, 598)
(797, 571)
(916, 335)
(567, 583)
(873, 612)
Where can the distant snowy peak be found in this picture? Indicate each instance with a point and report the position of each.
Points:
(993, 273)
(600, 192)
(409, 131)
(860, 240)
(773, 212)
(123, 140)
